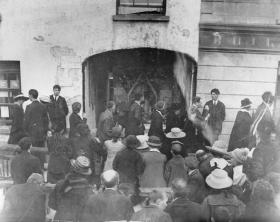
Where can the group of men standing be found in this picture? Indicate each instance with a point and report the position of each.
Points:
(38, 117)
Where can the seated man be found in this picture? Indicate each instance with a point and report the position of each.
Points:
(25, 202)
(109, 205)
(24, 164)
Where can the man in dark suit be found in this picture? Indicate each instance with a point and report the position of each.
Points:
(24, 164)
(157, 120)
(109, 205)
(214, 113)
(36, 120)
(58, 108)
(135, 124)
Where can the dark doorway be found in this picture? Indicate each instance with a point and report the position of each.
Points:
(119, 75)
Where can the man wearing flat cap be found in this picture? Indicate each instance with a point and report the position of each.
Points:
(17, 115)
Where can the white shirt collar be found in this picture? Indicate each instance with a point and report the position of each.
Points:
(215, 102)
(245, 110)
(154, 150)
(138, 102)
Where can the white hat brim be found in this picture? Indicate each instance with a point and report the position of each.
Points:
(218, 184)
(216, 150)
(172, 136)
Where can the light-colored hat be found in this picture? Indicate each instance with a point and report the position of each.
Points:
(219, 179)
(45, 99)
(176, 133)
(240, 154)
(154, 142)
(219, 147)
(20, 97)
(143, 140)
(81, 165)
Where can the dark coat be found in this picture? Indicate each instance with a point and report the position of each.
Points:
(60, 152)
(151, 214)
(36, 121)
(204, 166)
(135, 124)
(23, 165)
(24, 203)
(17, 131)
(105, 124)
(230, 201)
(74, 121)
(184, 210)
(197, 187)
(240, 134)
(109, 205)
(172, 121)
(129, 164)
(91, 148)
(58, 111)
(69, 197)
(175, 168)
(153, 175)
(217, 115)
(156, 128)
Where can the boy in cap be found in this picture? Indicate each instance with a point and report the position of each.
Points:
(175, 168)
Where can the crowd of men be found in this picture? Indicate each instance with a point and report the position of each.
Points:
(180, 173)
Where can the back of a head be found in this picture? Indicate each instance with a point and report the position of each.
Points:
(76, 107)
(110, 104)
(267, 97)
(25, 143)
(262, 190)
(35, 178)
(83, 129)
(179, 187)
(196, 99)
(222, 214)
(176, 149)
(33, 93)
(110, 178)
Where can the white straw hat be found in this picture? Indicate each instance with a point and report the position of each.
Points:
(176, 133)
(219, 179)
(219, 147)
(143, 140)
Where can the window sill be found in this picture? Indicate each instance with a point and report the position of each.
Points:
(141, 18)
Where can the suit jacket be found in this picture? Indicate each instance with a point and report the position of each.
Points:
(217, 115)
(74, 121)
(17, 131)
(109, 205)
(105, 124)
(23, 165)
(135, 120)
(151, 213)
(36, 121)
(58, 108)
(156, 128)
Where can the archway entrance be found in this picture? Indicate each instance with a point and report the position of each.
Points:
(118, 75)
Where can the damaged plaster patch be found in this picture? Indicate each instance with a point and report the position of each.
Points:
(58, 51)
(39, 38)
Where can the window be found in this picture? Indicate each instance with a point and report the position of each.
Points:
(9, 87)
(141, 7)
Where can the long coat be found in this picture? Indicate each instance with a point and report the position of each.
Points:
(36, 121)
(23, 165)
(25, 203)
(109, 205)
(217, 116)
(74, 121)
(156, 128)
(135, 124)
(58, 111)
(153, 175)
(17, 131)
(240, 134)
(69, 197)
(152, 214)
(129, 164)
(105, 124)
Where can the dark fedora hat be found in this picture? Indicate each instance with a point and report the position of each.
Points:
(131, 141)
(154, 142)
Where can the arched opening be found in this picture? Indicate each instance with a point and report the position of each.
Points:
(118, 75)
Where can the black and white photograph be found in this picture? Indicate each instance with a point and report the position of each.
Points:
(140, 111)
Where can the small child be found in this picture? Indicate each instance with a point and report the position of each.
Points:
(175, 167)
